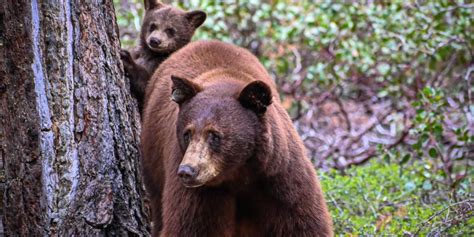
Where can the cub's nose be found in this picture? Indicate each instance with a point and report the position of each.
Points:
(187, 173)
(155, 42)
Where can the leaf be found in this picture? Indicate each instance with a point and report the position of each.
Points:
(416, 103)
(438, 129)
(429, 91)
(424, 137)
(383, 221)
(405, 159)
(433, 153)
(410, 186)
(427, 185)
(417, 146)
(401, 211)
(421, 114)
(383, 68)
(382, 93)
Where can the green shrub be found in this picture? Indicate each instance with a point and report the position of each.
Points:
(381, 199)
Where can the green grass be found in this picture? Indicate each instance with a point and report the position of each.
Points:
(389, 199)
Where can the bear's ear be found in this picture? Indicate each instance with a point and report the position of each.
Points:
(183, 89)
(256, 96)
(196, 18)
(152, 4)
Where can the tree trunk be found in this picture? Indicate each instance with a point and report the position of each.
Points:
(69, 128)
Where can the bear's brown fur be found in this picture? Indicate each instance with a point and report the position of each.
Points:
(165, 29)
(220, 153)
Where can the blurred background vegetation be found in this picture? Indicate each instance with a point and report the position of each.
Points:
(381, 93)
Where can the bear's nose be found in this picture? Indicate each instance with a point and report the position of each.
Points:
(187, 173)
(155, 42)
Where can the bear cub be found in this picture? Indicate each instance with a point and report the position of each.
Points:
(165, 29)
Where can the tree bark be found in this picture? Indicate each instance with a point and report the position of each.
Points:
(69, 127)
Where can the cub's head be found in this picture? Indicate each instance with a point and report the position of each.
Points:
(166, 29)
(217, 128)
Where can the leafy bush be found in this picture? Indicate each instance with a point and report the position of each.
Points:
(386, 198)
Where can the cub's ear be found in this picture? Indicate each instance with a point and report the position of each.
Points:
(153, 4)
(256, 96)
(196, 18)
(183, 89)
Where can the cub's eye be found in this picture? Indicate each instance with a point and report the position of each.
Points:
(170, 32)
(187, 137)
(214, 140)
(152, 27)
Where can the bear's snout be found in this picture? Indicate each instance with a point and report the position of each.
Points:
(187, 173)
(155, 42)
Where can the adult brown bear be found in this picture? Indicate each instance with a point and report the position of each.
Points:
(219, 158)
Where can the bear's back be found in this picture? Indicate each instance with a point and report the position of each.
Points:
(203, 56)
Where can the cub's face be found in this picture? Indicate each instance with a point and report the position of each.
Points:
(166, 29)
(216, 133)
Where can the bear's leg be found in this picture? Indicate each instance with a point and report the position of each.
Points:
(138, 76)
(156, 214)
(153, 177)
(302, 210)
(197, 212)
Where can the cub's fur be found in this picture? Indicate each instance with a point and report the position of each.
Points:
(165, 29)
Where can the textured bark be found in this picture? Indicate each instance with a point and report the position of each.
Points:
(69, 128)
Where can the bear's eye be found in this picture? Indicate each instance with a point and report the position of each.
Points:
(152, 27)
(214, 140)
(187, 137)
(170, 32)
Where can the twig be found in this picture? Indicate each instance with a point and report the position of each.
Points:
(470, 200)
(344, 113)
(298, 67)
(357, 137)
(372, 152)
(450, 223)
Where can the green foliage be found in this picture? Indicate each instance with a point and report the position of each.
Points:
(377, 40)
(381, 198)
(129, 19)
